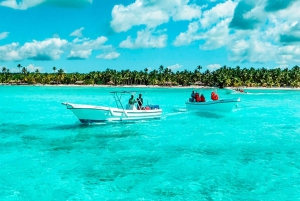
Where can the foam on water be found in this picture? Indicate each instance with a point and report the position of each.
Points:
(249, 154)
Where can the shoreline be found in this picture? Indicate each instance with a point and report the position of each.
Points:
(110, 86)
(154, 86)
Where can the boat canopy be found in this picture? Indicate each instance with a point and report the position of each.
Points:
(118, 95)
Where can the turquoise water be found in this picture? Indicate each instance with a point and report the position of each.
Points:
(249, 154)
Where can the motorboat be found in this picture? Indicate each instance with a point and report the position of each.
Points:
(235, 91)
(222, 105)
(93, 113)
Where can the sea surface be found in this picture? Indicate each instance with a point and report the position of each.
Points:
(252, 153)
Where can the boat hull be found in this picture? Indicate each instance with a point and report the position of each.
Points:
(90, 113)
(231, 91)
(224, 105)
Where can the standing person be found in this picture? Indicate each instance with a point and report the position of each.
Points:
(140, 102)
(131, 102)
(192, 96)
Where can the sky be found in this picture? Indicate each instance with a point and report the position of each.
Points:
(93, 35)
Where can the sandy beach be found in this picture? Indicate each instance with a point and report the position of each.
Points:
(111, 86)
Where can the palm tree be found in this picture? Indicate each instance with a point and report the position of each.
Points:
(60, 76)
(54, 69)
(199, 68)
(3, 72)
(160, 70)
(24, 70)
(146, 76)
(19, 66)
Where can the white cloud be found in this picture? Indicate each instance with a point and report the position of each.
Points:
(37, 50)
(9, 52)
(109, 56)
(212, 27)
(80, 54)
(264, 43)
(217, 36)
(175, 67)
(3, 35)
(126, 17)
(145, 39)
(218, 13)
(275, 38)
(80, 40)
(82, 49)
(32, 68)
(25, 4)
(213, 67)
(152, 13)
(49, 49)
(77, 32)
(54, 48)
(92, 44)
(252, 50)
(186, 38)
(288, 53)
(187, 12)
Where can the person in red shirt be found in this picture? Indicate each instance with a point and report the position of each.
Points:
(202, 98)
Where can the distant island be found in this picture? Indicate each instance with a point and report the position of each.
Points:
(222, 77)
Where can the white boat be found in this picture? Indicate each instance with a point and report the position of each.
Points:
(234, 91)
(222, 105)
(92, 113)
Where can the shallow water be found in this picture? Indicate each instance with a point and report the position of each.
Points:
(249, 154)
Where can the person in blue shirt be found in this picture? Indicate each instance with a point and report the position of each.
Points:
(192, 99)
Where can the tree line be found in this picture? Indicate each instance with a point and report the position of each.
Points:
(222, 77)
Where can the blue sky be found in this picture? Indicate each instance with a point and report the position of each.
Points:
(93, 35)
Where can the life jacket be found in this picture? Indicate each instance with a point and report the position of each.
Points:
(214, 96)
(197, 97)
(202, 99)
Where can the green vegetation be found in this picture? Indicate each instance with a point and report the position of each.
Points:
(223, 77)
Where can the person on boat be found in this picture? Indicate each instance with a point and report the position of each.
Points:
(202, 98)
(140, 102)
(214, 96)
(192, 99)
(131, 102)
(197, 97)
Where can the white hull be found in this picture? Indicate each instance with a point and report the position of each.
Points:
(232, 91)
(225, 105)
(91, 113)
